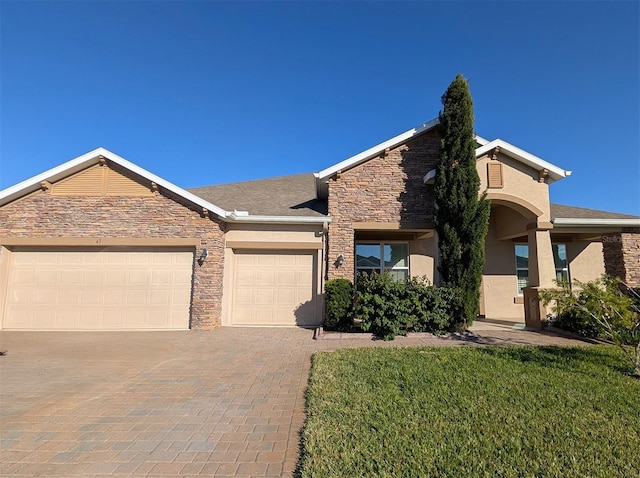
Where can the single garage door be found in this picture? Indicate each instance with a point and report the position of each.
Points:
(274, 288)
(98, 289)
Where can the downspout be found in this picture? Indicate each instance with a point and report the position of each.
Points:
(317, 333)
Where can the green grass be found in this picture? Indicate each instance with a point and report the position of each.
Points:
(472, 411)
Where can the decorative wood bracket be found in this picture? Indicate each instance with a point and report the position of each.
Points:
(543, 175)
(205, 213)
(496, 151)
(45, 185)
(102, 160)
(155, 188)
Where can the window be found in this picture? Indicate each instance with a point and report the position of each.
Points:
(522, 266)
(560, 261)
(381, 257)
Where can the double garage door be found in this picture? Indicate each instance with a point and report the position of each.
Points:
(98, 289)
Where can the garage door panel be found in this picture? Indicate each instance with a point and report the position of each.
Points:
(95, 278)
(274, 288)
(101, 289)
(136, 276)
(43, 277)
(161, 277)
(91, 297)
(70, 277)
(264, 278)
(286, 297)
(286, 278)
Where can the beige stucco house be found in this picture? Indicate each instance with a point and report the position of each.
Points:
(99, 243)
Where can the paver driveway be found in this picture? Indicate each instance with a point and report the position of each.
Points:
(228, 402)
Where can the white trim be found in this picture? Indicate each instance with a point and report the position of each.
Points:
(571, 221)
(239, 217)
(92, 157)
(555, 172)
(369, 153)
(480, 140)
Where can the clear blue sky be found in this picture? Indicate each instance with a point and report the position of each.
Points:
(204, 93)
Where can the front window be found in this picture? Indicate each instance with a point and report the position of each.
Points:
(383, 257)
(522, 266)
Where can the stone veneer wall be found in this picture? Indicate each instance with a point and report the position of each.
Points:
(386, 188)
(42, 215)
(622, 256)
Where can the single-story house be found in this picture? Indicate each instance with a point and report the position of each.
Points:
(99, 243)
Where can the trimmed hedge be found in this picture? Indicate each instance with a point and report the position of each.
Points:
(338, 295)
(388, 308)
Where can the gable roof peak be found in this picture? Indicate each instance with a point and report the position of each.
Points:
(93, 157)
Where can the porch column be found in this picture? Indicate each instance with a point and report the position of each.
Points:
(542, 272)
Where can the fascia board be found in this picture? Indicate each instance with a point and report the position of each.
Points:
(92, 157)
(32, 184)
(480, 140)
(373, 151)
(524, 157)
(573, 222)
(239, 217)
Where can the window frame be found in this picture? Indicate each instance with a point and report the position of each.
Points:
(564, 271)
(381, 269)
(519, 289)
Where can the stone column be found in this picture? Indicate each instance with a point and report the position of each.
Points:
(542, 272)
(622, 256)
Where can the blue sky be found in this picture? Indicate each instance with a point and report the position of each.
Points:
(204, 93)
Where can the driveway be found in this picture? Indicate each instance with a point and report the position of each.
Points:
(228, 402)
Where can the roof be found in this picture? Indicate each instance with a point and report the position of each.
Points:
(296, 202)
(281, 196)
(563, 211)
(555, 172)
(562, 215)
(94, 157)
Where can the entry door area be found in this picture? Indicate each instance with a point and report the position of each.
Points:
(275, 288)
(98, 289)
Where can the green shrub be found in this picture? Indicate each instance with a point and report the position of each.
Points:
(388, 308)
(434, 306)
(576, 323)
(605, 306)
(338, 295)
(381, 306)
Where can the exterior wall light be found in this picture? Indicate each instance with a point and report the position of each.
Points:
(339, 260)
(203, 255)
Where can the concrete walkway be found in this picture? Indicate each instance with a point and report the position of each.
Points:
(228, 402)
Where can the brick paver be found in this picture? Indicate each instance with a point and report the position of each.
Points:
(228, 402)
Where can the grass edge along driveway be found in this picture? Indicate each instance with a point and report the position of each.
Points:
(471, 411)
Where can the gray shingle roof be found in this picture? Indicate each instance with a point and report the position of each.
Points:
(282, 196)
(296, 196)
(573, 212)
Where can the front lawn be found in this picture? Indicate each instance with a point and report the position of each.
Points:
(472, 411)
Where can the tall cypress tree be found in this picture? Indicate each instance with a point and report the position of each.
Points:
(462, 214)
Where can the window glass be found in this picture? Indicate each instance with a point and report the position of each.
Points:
(522, 267)
(560, 260)
(381, 257)
(522, 256)
(523, 280)
(368, 255)
(395, 255)
(399, 274)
